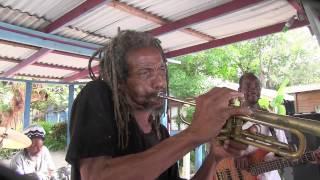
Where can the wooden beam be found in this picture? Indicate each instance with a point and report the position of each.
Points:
(155, 19)
(204, 15)
(10, 43)
(30, 60)
(33, 76)
(296, 6)
(81, 74)
(42, 64)
(82, 9)
(232, 39)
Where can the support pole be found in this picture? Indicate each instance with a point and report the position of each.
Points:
(70, 102)
(186, 167)
(27, 105)
(198, 157)
(164, 116)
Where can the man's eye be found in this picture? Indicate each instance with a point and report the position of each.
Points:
(143, 73)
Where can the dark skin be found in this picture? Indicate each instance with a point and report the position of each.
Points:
(251, 89)
(146, 78)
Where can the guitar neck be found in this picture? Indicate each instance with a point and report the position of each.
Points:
(279, 163)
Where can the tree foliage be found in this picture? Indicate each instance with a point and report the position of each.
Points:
(11, 104)
(278, 60)
(56, 97)
(56, 135)
(294, 55)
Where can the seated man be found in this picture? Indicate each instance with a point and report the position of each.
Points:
(35, 160)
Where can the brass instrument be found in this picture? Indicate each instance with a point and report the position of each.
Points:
(233, 130)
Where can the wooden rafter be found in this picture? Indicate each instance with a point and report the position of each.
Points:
(155, 19)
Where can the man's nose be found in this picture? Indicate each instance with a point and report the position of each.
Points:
(159, 81)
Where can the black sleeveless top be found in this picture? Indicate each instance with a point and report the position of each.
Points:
(93, 130)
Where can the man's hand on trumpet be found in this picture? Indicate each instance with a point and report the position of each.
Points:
(212, 110)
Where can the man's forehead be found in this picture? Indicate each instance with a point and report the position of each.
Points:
(145, 57)
(248, 81)
(150, 64)
(142, 50)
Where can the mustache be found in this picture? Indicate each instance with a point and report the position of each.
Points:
(155, 94)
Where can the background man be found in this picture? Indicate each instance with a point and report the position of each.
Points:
(250, 86)
(35, 160)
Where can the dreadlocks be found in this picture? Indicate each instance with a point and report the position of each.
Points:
(114, 69)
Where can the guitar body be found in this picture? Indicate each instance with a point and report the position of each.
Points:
(227, 169)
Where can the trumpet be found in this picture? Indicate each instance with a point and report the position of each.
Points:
(297, 126)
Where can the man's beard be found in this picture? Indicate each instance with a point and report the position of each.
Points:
(151, 102)
(150, 106)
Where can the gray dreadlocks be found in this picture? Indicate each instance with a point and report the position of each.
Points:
(114, 69)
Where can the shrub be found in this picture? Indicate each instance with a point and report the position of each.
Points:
(56, 135)
(8, 153)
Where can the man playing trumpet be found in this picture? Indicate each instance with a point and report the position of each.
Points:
(115, 129)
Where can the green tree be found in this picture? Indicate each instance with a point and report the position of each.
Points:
(276, 58)
(56, 98)
(11, 104)
(273, 58)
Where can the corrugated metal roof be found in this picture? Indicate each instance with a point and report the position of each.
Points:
(254, 17)
(4, 66)
(173, 9)
(34, 14)
(11, 54)
(65, 60)
(101, 23)
(105, 21)
(48, 9)
(75, 33)
(24, 19)
(44, 71)
(177, 40)
(15, 51)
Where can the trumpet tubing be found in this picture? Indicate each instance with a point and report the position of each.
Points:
(233, 130)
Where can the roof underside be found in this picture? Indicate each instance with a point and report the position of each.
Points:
(46, 39)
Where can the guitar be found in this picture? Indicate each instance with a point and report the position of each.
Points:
(227, 170)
